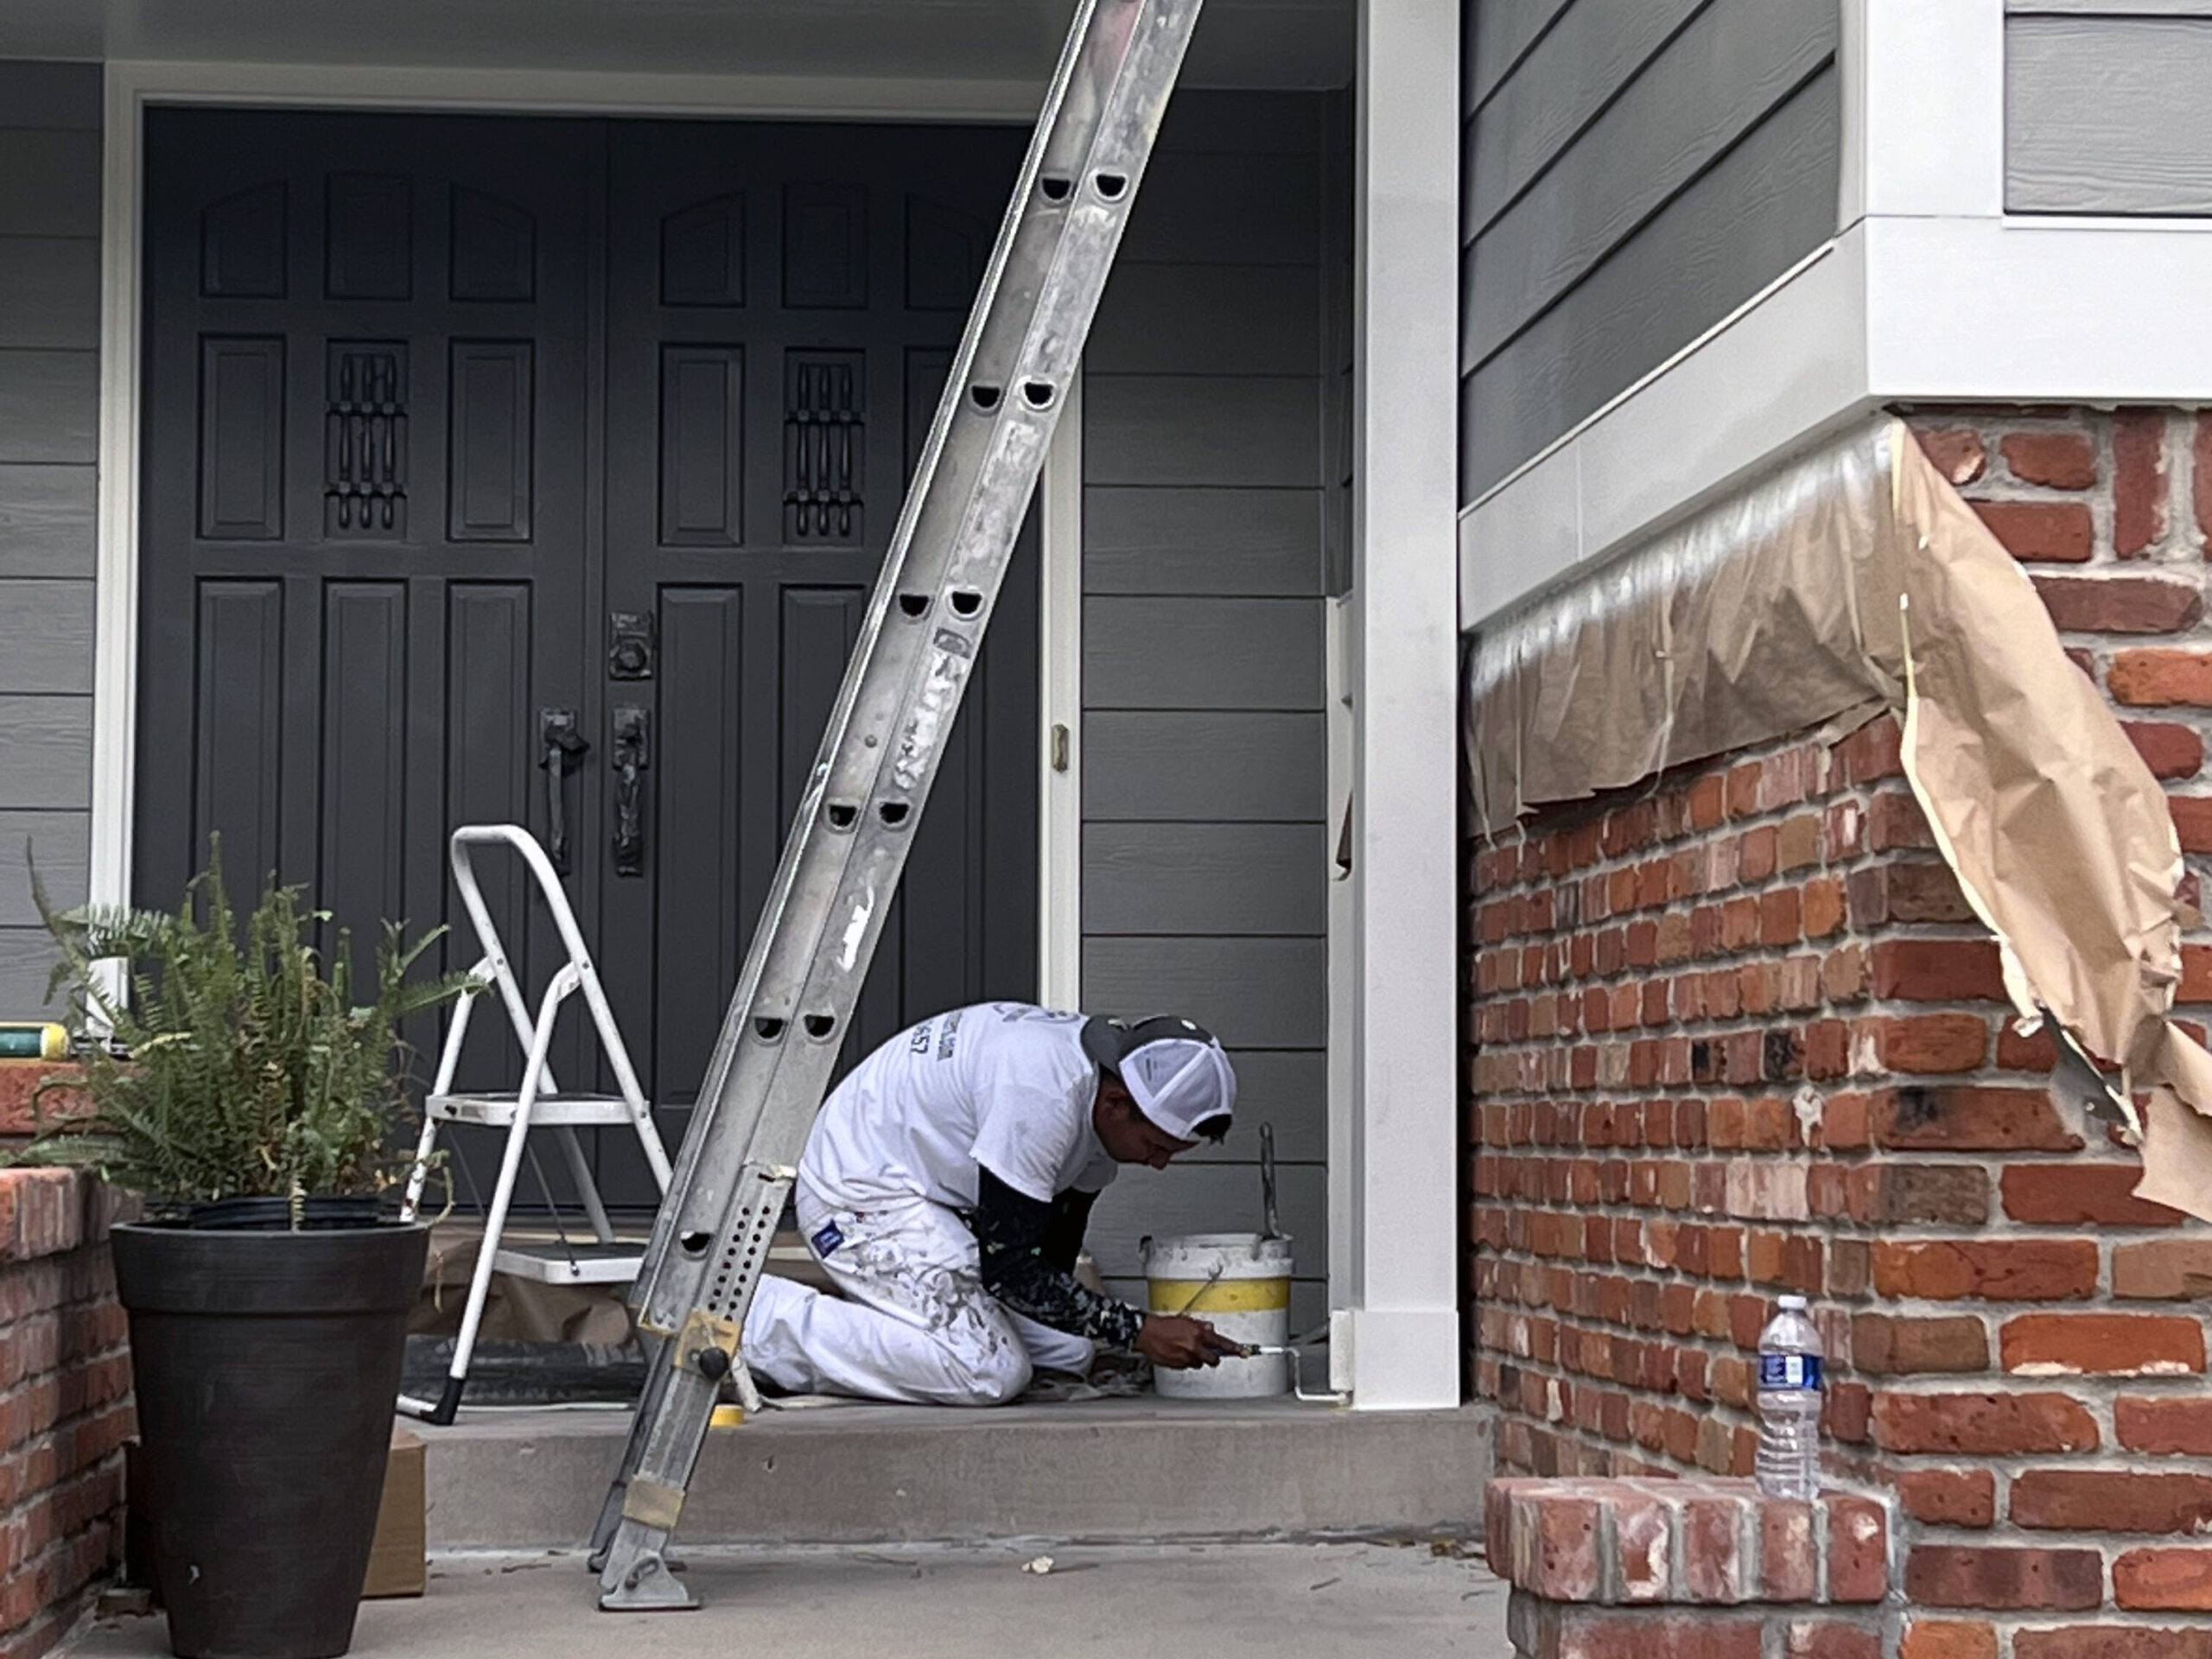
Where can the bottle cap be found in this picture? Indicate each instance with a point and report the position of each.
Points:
(1790, 1304)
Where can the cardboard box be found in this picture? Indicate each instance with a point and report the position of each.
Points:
(399, 1562)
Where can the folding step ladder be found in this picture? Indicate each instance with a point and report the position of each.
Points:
(537, 1104)
(871, 778)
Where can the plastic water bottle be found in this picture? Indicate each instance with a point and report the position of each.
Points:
(1789, 1403)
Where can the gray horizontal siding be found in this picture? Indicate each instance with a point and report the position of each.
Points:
(2108, 114)
(49, 420)
(1204, 765)
(1224, 766)
(1603, 138)
(1260, 542)
(1762, 206)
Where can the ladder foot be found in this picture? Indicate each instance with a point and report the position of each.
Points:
(647, 1585)
(438, 1412)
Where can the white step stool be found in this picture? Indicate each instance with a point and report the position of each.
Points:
(537, 1104)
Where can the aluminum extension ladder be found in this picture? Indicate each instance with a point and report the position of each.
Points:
(871, 778)
(538, 1104)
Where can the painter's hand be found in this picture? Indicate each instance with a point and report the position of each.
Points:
(1179, 1344)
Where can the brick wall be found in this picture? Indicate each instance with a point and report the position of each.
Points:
(1737, 1033)
(65, 1401)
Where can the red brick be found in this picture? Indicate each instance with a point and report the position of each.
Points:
(2164, 1578)
(1949, 1497)
(2154, 677)
(1956, 452)
(2201, 487)
(1828, 1638)
(2170, 751)
(1958, 1575)
(2059, 530)
(2075, 1194)
(2106, 1500)
(2120, 604)
(2138, 515)
(1713, 1565)
(1883, 1346)
(2110, 1642)
(1982, 1425)
(2162, 1269)
(1647, 1633)
(2007, 1270)
(1922, 1045)
(1948, 1639)
(2165, 1427)
(1938, 971)
(2102, 1345)
(2062, 460)
(1859, 1550)
(2192, 817)
(1962, 1119)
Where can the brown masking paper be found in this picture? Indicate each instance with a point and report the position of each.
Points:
(1855, 580)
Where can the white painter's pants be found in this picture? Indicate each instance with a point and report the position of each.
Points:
(919, 1324)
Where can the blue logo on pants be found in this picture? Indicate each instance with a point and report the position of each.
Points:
(827, 1239)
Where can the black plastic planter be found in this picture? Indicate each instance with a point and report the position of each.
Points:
(266, 1362)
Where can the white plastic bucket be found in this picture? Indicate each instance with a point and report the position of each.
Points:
(1239, 1283)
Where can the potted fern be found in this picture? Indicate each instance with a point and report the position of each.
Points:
(257, 1109)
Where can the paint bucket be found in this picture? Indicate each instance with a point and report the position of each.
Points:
(1239, 1283)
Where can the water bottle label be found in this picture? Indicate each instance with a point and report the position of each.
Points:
(1789, 1370)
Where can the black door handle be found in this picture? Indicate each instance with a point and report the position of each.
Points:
(632, 755)
(560, 750)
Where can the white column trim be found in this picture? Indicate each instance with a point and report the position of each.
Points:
(1402, 1320)
(1059, 683)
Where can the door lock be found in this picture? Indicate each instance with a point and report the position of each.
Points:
(560, 752)
(631, 650)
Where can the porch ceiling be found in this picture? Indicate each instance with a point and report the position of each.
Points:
(1251, 43)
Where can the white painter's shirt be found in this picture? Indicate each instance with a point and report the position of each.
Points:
(1005, 1085)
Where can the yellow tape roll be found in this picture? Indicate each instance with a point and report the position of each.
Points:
(1196, 1296)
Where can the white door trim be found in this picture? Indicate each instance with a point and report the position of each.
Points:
(132, 86)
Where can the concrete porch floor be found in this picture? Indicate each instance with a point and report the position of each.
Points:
(1124, 1601)
(1142, 1470)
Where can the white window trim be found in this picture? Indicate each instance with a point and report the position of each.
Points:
(132, 86)
(1929, 293)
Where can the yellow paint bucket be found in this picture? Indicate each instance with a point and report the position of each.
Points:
(1239, 1283)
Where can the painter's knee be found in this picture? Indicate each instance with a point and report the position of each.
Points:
(990, 1377)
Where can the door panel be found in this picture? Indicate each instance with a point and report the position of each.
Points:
(431, 401)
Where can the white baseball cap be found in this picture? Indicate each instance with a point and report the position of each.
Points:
(1175, 1069)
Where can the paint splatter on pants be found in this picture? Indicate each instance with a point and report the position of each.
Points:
(917, 1324)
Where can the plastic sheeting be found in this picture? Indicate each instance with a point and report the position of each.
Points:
(1856, 581)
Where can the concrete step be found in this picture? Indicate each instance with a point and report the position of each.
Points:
(1101, 1470)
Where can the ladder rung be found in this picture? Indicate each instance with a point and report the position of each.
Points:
(554, 1264)
(549, 1111)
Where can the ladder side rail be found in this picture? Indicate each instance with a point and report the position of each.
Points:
(487, 932)
(900, 664)
(449, 1059)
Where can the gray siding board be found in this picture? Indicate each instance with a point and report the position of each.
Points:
(1254, 993)
(27, 958)
(1227, 319)
(46, 636)
(61, 844)
(2115, 8)
(2109, 115)
(49, 405)
(38, 94)
(50, 291)
(1202, 540)
(1223, 765)
(1567, 79)
(1288, 1087)
(1762, 206)
(49, 182)
(1499, 34)
(1224, 209)
(1715, 83)
(1202, 653)
(47, 521)
(1154, 429)
(1206, 878)
(47, 743)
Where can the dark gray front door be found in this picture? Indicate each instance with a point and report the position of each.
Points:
(457, 426)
